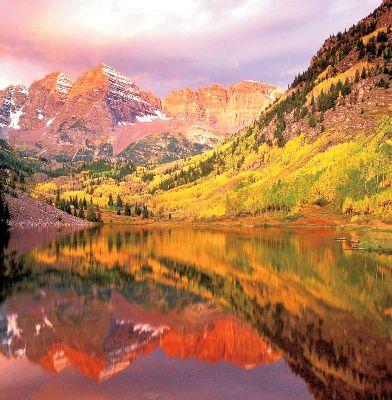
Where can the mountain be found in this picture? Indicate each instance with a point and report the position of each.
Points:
(321, 154)
(12, 100)
(166, 146)
(205, 116)
(36, 107)
(103, 113)
(227, 109)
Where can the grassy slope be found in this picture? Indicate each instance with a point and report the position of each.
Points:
(302, 173)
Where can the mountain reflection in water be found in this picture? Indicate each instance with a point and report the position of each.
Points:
(103, 300)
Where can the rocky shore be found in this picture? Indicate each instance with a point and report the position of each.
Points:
(28, 212)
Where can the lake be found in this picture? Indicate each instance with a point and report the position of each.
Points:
(193, 313)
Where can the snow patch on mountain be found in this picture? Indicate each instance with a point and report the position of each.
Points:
(121, 85)
(49, 122)
(152, 117)
(15, 116)
(63, 84)
(125, 123)
(23, 90)
(40, 115)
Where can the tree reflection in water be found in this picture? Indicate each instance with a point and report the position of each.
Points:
(253, 296)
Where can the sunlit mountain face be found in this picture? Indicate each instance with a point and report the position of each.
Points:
(119, 304)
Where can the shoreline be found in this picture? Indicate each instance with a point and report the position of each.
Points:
(213, 223)
(72, 222)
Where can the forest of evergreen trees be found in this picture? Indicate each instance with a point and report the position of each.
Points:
(128, 209)
(78, 207)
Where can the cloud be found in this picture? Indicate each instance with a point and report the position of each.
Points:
(170, 44)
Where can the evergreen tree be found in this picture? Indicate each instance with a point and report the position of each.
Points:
(382, 83)
(119, 202)
(361, 49)
(346, 89)
(304, 112)
(357, 76)
(382, 37)
(91, 212)
(127, 210)
(145, 213)
(57, 197)
(312, 121)
(110, 202)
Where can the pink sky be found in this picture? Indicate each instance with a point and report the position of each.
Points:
(166, 45)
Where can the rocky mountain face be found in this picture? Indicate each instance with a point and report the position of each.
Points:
(44, 101)
(103, 98)
(103, 113)
(227, 109)
(36, 107)
(12, 100)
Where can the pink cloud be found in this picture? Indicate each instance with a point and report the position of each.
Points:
(166, 45)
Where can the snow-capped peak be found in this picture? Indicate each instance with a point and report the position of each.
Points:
(121, 85)
(113, 73)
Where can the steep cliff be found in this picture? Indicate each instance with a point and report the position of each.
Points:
(224, 109)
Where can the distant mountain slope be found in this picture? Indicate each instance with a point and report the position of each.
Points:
(103, 113)
(166, 147)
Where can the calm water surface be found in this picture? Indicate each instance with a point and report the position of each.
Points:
(178, 313)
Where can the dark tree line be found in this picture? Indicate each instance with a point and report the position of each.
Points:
(129, 209)
(193, 173)
(78, 207)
